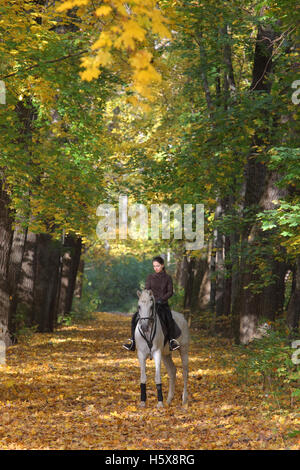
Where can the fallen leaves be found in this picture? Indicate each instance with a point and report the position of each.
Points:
(78, 389)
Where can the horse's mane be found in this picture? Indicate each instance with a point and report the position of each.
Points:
(145, 294)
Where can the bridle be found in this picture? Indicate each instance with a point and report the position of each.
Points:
(153, 319)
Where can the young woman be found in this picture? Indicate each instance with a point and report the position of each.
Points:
(161, 285)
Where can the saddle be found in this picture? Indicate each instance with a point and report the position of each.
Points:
(170, 328)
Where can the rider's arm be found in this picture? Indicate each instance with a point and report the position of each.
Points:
(169, 290)
(148, 282)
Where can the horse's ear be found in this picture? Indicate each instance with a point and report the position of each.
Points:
(138, 293)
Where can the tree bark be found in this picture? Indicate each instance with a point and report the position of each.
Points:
(27, 279)
(46, 282)
(70, 264)
(79, 279)
(204, 285)
(188, 291)
(182, 271)
(14, 273)
(268, 301)
(6, 238)
(217, 264)
(256, 191)
(293, 311)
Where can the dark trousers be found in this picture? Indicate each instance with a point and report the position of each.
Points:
(169, 326)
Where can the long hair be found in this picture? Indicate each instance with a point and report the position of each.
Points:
(159, 260)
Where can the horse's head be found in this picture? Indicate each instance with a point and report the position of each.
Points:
(146, 308)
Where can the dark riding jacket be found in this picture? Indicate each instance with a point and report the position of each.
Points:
(161, 285)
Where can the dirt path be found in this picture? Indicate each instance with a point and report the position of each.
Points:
(78, 389)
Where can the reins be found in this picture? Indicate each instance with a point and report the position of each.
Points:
(153, 319)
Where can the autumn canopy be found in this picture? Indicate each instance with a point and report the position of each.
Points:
(168, 103)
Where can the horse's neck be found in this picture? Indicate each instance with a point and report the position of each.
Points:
(152, 333)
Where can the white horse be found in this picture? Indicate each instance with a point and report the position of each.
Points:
(149, 339)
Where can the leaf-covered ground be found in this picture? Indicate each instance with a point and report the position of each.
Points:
(78, 389)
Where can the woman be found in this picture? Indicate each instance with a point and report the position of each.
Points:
(161, 285)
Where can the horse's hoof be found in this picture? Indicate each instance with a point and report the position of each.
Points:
(160, 404)
(142, 404)
(184, 397)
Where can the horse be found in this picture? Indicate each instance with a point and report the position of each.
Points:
(149, 340)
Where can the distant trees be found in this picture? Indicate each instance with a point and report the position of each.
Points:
(220, 129)
(227, 138)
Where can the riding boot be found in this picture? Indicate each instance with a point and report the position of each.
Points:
(131, 346)
(174, 344)
(170, 327)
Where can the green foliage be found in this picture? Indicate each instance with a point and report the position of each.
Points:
(24, 330)
(285, 218)
(113, 282)
(268, 361)
(81, 313)
(177, 300)
(53, 146)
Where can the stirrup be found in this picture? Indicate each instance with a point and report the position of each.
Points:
(130, 346)
(174, 345)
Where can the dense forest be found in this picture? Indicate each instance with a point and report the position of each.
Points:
(167, 103)
(187, 103)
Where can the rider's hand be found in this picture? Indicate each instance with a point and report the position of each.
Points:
(159, 301)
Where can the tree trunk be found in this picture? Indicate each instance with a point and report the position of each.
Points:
(188, 291)
(217, 264)
(27, 279)
(226, 307)
(272, 298)
(14, 272)
(182, 271)
(46, 282)
(200, 268)
(6, 238)
(70, 265)
(268, 301)
(250, 301)
(293, 312)
(79, 279)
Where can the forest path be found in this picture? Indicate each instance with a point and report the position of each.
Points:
(77, 388)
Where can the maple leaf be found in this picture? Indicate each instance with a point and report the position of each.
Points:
(125, 27)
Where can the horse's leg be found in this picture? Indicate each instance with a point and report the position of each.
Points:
(185, 372)
(157, 360)
(142, 361)
(171, 369)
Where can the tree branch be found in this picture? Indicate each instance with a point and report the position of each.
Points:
(44, 63)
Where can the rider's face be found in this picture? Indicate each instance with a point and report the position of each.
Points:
(157, 267)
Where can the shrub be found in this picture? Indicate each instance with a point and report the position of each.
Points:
(269, 359)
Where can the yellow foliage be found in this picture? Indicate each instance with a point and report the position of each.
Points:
(141, 59)
(103, 41)
(42, 408)
(104, 10)
(124, 27)
(71, 4)
(132, 33)
(90, 73)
